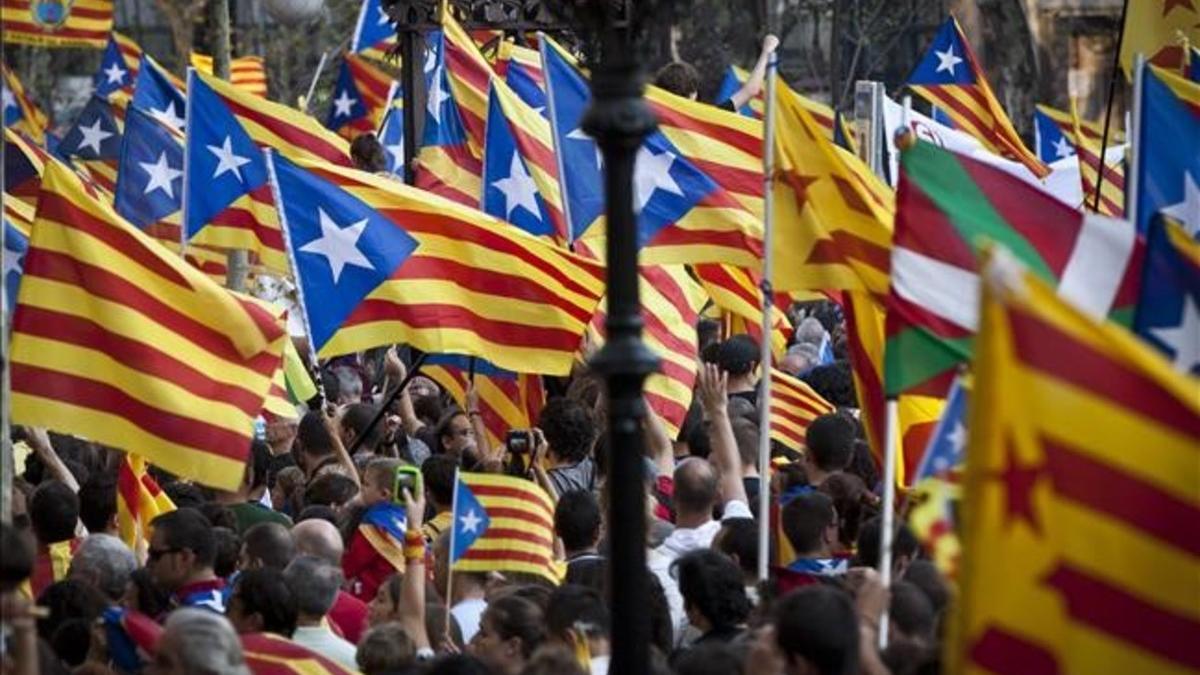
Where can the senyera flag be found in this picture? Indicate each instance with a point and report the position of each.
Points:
(58, 23)
(118, 340)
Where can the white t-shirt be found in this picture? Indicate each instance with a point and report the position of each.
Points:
(468, 614)
(326, 643)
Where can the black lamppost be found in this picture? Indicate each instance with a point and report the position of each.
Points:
(619, 119)
(613, 34)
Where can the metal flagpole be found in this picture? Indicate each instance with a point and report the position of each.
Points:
(764, 398)
(1132, 133)
(558, 152)
(1112, 85)
(450, 554)
(890, 440)
(7, 466)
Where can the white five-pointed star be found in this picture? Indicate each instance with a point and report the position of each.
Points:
(957, 437)
(947, 60)
(115, 73)
(470, 522)
(383, 17)
(227, 161)
(12, 262)
(343, 104)
(653, 172)
(161, 175)
(10, 101)
(168, 116)
(519, 189)
(339, 245)
(93, 136)
(1187, 212)
(580, 135)
(1183, 339)
(1062, 148)
(430, 61)
(396, 150)
(437, 96)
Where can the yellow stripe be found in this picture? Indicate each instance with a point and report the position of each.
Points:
(505, 566)
(108, 429)
(435, 160)
(496, 480)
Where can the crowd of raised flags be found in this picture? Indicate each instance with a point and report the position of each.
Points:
(1021, 326)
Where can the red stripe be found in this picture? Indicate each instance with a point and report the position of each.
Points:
(430, 182)
(966, 117)
(1110, 609)
(870, 387)
(1042, 346)
(502, 533)
(485, 281)
(127, 488)
(1049, 225)
(75, 12)
(59, 208)
(672, 117)
(792, 400)
(103, 284)
(561, 267)
(65, 328)
(739, 243)
(1121, 495)
(667, 408)
(923, 227)
(434, 315)
(501, 491)
(503, 556)
(667, 286)
(24, 27)
(733, 179)
(200, 436)
(295, 136)
(1005, 653)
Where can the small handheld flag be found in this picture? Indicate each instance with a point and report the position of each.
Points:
(502, 524)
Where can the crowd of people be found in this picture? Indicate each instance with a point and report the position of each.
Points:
(282, 557)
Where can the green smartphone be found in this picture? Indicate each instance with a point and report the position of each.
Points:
(407, 476)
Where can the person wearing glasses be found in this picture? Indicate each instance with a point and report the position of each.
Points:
(180, 558)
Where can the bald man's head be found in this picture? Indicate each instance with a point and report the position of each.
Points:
(319, 538)
(695, 487)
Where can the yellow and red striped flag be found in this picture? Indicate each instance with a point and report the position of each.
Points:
(139, 501)
(361, 96)
(118, 340)
(20, 112)
(270, 654)
(503, 524)
(671, 304)
(794, 405)
(950, 77)
(1079, 556)
(1091, 163)
(833, 216)
(58, 23)
(291, 385)
(473, 285)
(247, 73)
(507, 400)
(736, 291)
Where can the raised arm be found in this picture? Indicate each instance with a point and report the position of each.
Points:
(658, 442)
(754, 83)
(332, 425)
(39, 439)
(714, 396)
(412, 589)
(396, 371)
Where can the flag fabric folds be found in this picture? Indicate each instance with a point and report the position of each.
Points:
(20, 112)
(374, 33)
(794, 405)
(117, 340)
(1092, 163)
(521, 69)
(391, 134)
(1153, 28)
(379, 262)
(502, 524)
(950, 76)
(832, 215)
(520, 170)
(947, 206)
(139, 501)
(1168, 151)
(1168, 310)
(446, 165)
(16, 243)
(507, 400)
(119, 66)
(360, 97)
(1080, 555)
(248, 73)
(156, 94)
(270, 654)
(95, 139)
(78, 23)
(150, 179)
